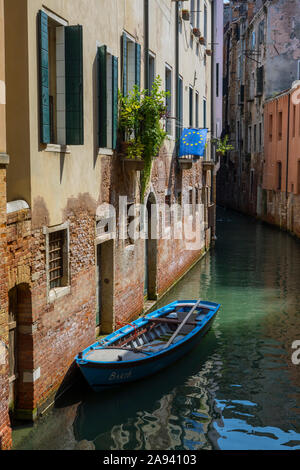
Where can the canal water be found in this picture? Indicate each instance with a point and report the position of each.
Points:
(238, 390)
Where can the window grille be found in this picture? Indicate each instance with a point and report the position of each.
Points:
(56, 259)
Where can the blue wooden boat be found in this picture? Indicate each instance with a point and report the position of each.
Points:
(146, 345)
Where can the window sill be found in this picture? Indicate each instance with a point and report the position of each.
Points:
(105, 151)
(58, 292)
(57, 148)
(129, 247)
(104, 237)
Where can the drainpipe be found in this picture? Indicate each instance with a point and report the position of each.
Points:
(146, 43)
(213, 65)
(287, 161)
(212, 121)
(177, 76)
(288, 146)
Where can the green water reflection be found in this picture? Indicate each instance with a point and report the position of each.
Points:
(237, 390)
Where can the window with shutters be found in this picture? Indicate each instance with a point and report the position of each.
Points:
(167, 210)
(270, 127)
(54, 35)
(204, 113)
(192, 16)
(57, 256)
(260, 137)
(107, 98)
(261, 32)
(60, 81)
(179, 125)
(191, 206)
(280, 125)
(179, 206)
(294, 122)
(259, 80)
(205, 22)
(197, 109)
(249, 139)
(191, 107)
(168, 88)
(131, 64)
(279, 175)
(253, 40)
(151, 70)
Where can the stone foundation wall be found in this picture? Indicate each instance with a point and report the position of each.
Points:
(281, 210)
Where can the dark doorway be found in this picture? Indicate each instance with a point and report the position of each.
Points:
(105, 286)
(20, 350)
(150, 283)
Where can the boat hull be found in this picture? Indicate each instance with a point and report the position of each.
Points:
(101, 376)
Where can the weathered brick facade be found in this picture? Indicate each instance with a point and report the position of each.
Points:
(5, 430)
(261, 57)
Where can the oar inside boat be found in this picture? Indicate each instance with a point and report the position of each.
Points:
(190, 313)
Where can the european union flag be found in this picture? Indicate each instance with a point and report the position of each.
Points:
(192, 142)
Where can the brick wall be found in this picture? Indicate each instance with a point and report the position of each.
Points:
(50, 334)
(5, 430)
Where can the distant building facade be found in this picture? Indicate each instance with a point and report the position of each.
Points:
(69, 275)
(261, 60)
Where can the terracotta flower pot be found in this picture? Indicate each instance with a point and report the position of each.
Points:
(185, 15)
(124, 148)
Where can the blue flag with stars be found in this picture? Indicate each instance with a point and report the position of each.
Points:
(192, 142)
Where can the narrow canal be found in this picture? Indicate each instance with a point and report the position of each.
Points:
(239, 389)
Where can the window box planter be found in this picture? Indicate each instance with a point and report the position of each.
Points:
(208, 165)
(185, 163)
(133, 164)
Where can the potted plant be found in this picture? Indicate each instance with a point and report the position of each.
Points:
(202, 40)
(196, 32)
(223, 146)
(140, 114)
(208, 52)
(185, 14)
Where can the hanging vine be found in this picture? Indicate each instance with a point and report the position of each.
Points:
(140, 115)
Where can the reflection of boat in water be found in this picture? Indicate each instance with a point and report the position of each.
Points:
(146, 345)
(98, 414)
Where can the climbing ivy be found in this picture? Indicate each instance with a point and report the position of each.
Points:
(140, 115)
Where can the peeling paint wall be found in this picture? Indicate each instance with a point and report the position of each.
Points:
(283, 45)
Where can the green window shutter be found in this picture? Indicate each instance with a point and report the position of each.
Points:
(138, 65)
(102, 96)
(124, 63)
(114, 101)
(74, 85)
(44, 78)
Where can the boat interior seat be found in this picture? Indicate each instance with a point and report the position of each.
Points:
(186, 328)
